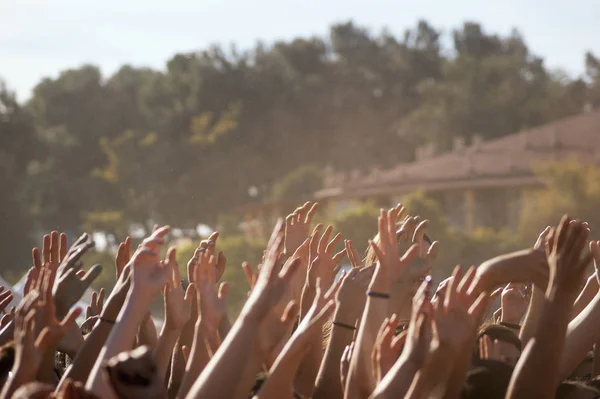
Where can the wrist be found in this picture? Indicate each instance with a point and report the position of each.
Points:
(509, 318)
(344, 317)
(379, 282)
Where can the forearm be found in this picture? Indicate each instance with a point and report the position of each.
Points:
(6, 335)
(398, 380)
(20, 376)
(582, 332)
(46, 372)
(120, 338)
(308, 295)
(536, 374)
(178, 364)
(435, 379)
(450, 380)
(224, 327)
(164, 348)
(231, 359)
(360, 376)
(198, 359)
(328, 380)
(533, 315)
(588, 293)
(280, 383)
(147, 332)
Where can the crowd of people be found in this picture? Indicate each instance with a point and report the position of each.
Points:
(310, 328)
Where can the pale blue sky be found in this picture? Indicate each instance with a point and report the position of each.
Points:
(39, 38)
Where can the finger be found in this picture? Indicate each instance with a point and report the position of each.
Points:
(410, 254)
(80, 273)
(91, 275)
(378, 253)
(70, 318)
(37, 261)
(249, 273)
(311, 213)
(54, 248)
(479, 307)
(94, 298)
(391, 230)
(419, 231)
(223, 291)
(466, 281)
(63, 247)
(101, 299)
(186, 353)
(5, 302)
(562, 232)
(322, 247)
(291, 270)
(190, 292)
(88, 312)
(452, 287)
(333, 243)
(337, 258)
(46, 243)
(290, 313)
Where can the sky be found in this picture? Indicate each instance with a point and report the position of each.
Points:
(40, 38)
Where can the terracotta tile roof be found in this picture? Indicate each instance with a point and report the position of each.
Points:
(494, 162)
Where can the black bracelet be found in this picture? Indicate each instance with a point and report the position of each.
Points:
(107, 321)
(381, 295)
(344, 325)
(510, 325)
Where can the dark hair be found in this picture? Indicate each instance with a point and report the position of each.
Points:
(488, 380)
(567, 388)
(7, 358)
(501, 333)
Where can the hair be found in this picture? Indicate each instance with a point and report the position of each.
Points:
(499, 332)
(7, 358)
(567, 388)
(489, 380)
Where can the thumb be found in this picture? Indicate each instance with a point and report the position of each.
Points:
(224, 290)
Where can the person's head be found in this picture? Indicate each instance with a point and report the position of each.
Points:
(488, 380)
(404, 235)
(585, 368)
(499, 343)
(576, 390)
(7, 358)
(34, 390)
(134, 374)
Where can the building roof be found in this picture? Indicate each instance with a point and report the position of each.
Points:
(508, 161)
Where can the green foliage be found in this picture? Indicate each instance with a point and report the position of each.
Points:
(183, 144)
(299, 184)
(358, 224)
(570, 187)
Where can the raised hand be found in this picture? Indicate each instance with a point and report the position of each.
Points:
(325, 265)
(457, 318)
(178, 307)
(351, 298)
(345, 363)
(514, 302)
(123, 256)
(297, 225)
(70, 284)
(387, 348)
(390, 266)
(428, 253)
(272, 280)
(6, 298)
(353, 255)
(567, 268)
(96, 304)
(210, 247)
(149, 274)
(213, 304)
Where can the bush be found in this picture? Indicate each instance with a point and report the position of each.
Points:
(300, 183)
